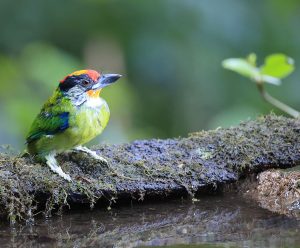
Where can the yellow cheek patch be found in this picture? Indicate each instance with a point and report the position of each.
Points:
(93, 93)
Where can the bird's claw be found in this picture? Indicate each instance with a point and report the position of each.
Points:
(66, 177)
(52, 163)
(101, 159)
(92, 153)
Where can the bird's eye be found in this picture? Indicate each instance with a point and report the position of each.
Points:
(86, 83)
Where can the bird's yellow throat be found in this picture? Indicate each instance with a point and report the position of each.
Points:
(94, 93)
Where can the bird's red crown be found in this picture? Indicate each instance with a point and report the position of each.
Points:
(94, 75)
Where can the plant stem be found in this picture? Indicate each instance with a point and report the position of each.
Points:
(278, 104)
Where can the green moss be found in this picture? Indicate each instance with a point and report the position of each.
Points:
(205, 159)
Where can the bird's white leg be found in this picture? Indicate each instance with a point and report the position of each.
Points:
(52, 163)
(90, 152)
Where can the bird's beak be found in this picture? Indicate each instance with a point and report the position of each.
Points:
(105, 80)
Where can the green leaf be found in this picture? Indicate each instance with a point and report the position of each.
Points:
(277, 66)
(251, 58)
(242, 66)
(270, 79)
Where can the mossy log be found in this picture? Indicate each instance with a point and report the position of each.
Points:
(205, 160)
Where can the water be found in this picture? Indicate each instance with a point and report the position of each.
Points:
(225, 221)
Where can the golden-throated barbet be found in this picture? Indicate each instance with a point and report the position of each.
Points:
(72, 116)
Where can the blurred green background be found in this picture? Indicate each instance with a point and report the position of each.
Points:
(169, 51)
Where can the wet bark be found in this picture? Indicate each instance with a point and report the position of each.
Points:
(204, 161)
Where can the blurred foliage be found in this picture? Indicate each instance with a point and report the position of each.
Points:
(168, 51)
(276, 67)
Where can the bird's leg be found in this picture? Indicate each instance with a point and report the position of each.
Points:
(52, 163)
(90, 152)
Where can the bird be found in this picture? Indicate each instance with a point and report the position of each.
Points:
(71, 117)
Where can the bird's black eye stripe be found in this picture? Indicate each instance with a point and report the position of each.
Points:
(71, 81)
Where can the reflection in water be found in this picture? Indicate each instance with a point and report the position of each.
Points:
(223, 220)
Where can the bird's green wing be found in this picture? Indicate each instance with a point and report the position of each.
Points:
(48, 123)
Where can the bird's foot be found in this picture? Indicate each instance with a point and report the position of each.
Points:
(52, 163)
(102, 160)
(92, 153)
